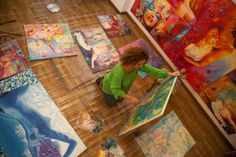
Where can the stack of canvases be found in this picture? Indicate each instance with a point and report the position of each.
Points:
(30, 122)
(199, 36)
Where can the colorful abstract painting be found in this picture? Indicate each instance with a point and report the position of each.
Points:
(32, 125)
(114, 25)
(49, 41)
(204, 39)
(19, 80)
(96, 48)
(154, 59)
(110, 148)
(90, 122)
(220, 98)
(152, 105)
(12, 60)
(167, 138)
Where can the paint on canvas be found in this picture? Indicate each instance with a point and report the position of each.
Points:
(166, 138)
(90, 122)
(49, 41)
(220, 98)
(12, 60)
(96, 48)
(24, 78)
(207, 49)
(32, 125)
(114, 25)
(152, 105)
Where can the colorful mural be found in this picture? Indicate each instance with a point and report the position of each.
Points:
(32, 125)
(166, 138)
(196, 35)
(114, 25)
(49, 41)
(152, 105)
(12, 60)
(96, 48)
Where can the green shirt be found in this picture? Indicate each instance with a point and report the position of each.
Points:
(118, 82)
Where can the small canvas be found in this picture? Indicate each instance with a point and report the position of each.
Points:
(12, 60)
(19, 80)
(96, 48)
(90, 122)
(49, 41)
(114, 25)
(32, 125)
(167, 138)
(154, 59)
(152, 106)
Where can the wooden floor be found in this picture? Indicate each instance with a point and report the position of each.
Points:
(70, 82)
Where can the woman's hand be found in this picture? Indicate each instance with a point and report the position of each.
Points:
(131, 99)
(176, 73)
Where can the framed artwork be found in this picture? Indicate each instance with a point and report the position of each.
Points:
(168, 137)
(32, 125)
(152, 106)
(12, 60)
(96, 48)
(200, 37)
(114, 25)
(49, 41)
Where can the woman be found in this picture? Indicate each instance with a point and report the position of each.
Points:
(116, 83)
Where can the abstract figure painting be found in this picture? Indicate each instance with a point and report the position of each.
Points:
(166, 138)
(32, 125)
(49, 41)
(152, 106)
(12, 60)
(114, 25)
(96, 48)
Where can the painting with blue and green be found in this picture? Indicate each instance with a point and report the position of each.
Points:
(152, 106)
(32, 125)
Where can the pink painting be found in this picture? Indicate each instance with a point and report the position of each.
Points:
(12, 60)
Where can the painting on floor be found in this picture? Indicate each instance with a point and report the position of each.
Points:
(49, 41)
(203, 42)
(12, 60)
(220, 98)
(152, 106)
(114, 25)
(32, 125)
(96, 48)
(166, 138)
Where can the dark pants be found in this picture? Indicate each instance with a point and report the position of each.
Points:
(110, 100)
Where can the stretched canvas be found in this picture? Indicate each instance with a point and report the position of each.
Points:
(32, 125)
(114, 25)
(12, 60)
(49, 41)
(90, 122)
(166, 138)
(19, 80)
(96, 48)
(152, 106)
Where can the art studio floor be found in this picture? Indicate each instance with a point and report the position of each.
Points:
(71, 83)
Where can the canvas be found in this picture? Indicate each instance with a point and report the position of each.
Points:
(96, 48)
(152, 106)
(167, 138)
(49, 41)
(24, 78)
(32, 125)
(114, 25)
(12, 60)
(220, 98)
(90, 122)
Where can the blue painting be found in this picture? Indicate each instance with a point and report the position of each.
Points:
(32, 125)
(166, 138)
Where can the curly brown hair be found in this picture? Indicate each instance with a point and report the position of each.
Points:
(133, 55)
